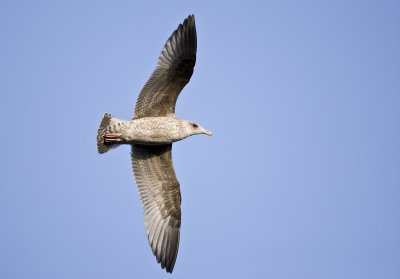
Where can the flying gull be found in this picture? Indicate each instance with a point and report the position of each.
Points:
(151, 132)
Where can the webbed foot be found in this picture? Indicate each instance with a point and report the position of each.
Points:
(112, 137)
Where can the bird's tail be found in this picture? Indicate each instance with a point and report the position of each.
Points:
(106, 121)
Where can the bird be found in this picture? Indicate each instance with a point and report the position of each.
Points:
(151, 132)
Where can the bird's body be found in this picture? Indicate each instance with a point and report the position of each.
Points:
(151, 132)
(148, 130)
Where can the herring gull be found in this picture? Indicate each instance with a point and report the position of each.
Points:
(151, 132)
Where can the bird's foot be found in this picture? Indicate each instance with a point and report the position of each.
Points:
(112, 137)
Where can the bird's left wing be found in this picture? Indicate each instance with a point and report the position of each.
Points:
(174, 69)
(161, 199)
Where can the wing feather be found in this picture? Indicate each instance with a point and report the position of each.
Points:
(161, 199)
(174, 70)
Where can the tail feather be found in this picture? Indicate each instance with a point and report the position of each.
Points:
(106, 121)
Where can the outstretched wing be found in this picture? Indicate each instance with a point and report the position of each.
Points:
(161, 199)
(174, 69)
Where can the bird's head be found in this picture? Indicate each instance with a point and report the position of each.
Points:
(195, 128)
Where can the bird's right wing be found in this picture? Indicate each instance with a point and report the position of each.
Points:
(161, 199)
(174, 69)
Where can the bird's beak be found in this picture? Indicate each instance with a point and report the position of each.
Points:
(207, 133)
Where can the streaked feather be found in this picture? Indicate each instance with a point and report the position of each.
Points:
(174, 69)
(160, 195)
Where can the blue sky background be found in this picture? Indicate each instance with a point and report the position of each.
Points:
(300, 180)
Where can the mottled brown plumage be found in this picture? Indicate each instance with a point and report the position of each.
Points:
(174, 69)
(151, 132)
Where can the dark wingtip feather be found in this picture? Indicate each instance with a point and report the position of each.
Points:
(183, 41)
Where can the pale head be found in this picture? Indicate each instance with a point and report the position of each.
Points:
(193, 128)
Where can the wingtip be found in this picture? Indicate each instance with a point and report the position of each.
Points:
(189, 19)
(192, 16)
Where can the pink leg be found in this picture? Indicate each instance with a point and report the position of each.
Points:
(112, 137)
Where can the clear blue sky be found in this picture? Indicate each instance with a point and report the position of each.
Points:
(300, 180)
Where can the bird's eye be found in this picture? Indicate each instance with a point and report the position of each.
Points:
(195, 125)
